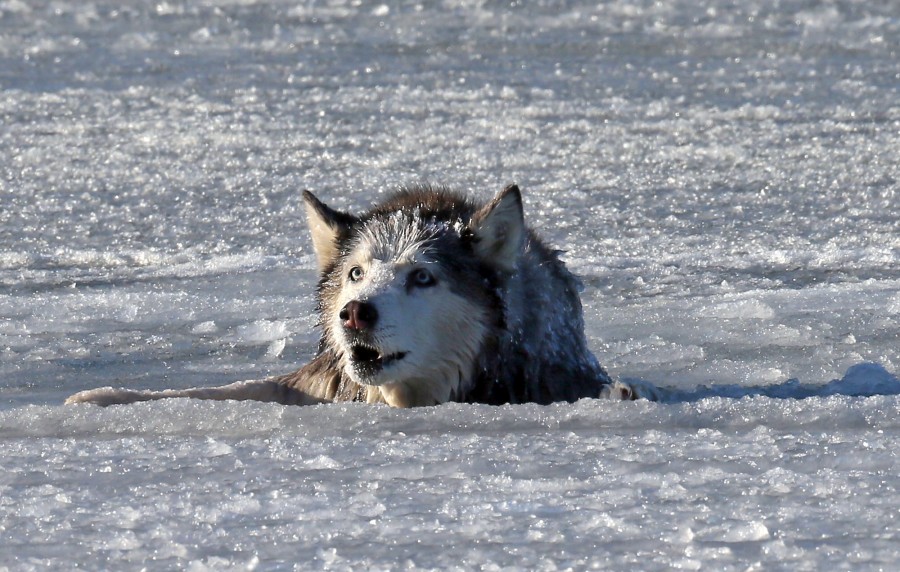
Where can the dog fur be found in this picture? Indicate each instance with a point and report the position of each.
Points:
(428, 298)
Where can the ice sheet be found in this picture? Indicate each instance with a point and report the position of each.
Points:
(722, 175)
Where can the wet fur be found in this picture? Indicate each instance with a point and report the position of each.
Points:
(510, 327)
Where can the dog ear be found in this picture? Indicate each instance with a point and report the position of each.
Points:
(499, 229)
(327, 227)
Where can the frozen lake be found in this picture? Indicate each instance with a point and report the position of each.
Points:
(724, 176)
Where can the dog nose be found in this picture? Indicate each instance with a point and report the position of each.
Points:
(358, 315)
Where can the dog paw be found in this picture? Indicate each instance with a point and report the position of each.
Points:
(621, 391)
(104, 396)
(618, 391)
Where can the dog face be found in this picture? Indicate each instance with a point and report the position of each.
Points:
(406, 297)
(399, 313)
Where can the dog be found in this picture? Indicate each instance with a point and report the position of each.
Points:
(428, 298)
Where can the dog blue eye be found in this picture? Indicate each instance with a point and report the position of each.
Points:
(421, 277)
(355, 274)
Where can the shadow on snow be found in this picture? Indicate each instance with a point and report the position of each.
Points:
(861, 380)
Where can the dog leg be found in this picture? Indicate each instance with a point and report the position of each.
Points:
(257, 390)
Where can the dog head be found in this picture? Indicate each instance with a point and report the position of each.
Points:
(408, 291)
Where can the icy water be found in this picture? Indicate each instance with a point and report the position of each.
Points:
(724, 176)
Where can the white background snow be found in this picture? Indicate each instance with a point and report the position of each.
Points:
(724, 175)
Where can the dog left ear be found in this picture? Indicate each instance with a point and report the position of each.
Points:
(327, 227)
(499, 229)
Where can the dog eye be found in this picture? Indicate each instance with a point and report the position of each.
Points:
(422, 278)
(355, 274)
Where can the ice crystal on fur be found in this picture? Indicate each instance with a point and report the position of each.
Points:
(399, 237)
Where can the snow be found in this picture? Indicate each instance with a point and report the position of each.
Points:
(722, 175)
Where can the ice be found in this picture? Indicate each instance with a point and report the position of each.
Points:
(261, 331)
(723, 176)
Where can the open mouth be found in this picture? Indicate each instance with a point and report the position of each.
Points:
(373, 360)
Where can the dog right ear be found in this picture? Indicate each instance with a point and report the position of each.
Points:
(327, 227)
(499, 230)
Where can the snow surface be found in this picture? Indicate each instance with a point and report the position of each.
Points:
(723, 175)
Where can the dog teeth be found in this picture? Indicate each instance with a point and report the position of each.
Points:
(366, 354)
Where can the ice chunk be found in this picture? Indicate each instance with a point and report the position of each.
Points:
(261, 332)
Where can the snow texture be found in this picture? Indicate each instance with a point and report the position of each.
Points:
(724, 176)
